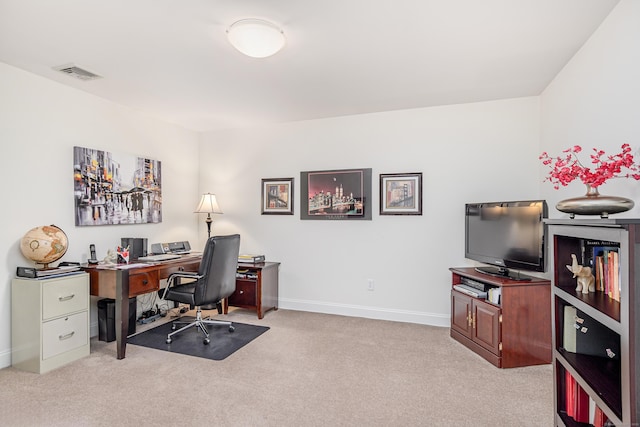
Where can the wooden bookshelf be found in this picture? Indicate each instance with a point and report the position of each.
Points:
(609, 378)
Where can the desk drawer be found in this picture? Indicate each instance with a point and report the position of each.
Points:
(64, 295)
(245, 294)
(170, 269)
(64, 334)
(143, 283)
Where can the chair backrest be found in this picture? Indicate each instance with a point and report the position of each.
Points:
(218, 266)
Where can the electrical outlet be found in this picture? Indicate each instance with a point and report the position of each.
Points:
(370, 284)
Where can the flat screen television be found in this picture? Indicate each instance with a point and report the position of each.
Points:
(506, 235)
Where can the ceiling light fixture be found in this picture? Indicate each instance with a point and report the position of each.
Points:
(256, 38)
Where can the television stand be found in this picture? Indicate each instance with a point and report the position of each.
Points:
(512, 331)
(503, 272)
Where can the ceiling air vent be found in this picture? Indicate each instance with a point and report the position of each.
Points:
(77, 72)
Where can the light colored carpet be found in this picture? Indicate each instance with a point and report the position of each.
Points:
(309, 369)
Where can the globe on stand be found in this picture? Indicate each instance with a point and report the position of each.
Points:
(44, 244)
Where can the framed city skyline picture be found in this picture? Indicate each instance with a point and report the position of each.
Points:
(112, 189)
(342, 194)
(401, 194)
(277, 196)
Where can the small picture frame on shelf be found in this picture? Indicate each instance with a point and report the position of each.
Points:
(401, 194)
(277, 196)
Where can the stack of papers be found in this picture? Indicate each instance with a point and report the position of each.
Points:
(250, 258)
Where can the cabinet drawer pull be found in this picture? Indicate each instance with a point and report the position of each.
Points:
(66, 336)
(67, 298)
(145, 282)
(241, 292)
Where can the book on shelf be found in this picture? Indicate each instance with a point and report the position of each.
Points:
(599, 418)
(570, 394)
(582, 405)
(576, 400)
(583, 335)
(614, 274)
(603, 259)
(569, 329)
(250, 258)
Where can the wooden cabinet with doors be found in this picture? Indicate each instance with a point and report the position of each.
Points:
(513, 331)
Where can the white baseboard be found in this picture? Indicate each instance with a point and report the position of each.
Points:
(432, 319)
(5, 359)
(94, 329)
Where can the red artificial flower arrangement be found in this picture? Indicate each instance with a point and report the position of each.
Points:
(566, 169)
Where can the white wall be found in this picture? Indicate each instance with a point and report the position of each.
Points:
(40, 122)
(595, 102)
(474, 152)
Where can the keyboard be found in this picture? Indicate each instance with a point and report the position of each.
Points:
(159, 257)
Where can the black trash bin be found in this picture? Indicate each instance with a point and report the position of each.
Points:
(107, 318)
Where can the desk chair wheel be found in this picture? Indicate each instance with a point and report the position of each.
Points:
(231, 328)
(206, 341)
(168, 341)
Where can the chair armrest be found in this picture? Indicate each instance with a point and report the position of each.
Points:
(171, 280)
(184, 275)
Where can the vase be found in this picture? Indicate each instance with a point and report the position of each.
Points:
(594, 203)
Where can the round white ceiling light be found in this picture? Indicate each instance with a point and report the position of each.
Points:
(256, 38)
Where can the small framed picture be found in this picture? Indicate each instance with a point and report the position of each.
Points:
(277, 196)
(401, 194)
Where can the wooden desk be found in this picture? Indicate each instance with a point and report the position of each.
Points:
(121, 283)
(256, 288)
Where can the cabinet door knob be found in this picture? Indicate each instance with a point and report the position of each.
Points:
(144, 282)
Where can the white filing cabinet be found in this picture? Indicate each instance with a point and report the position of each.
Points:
(49, 321)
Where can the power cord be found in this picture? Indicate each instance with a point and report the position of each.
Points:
(151, 306)
(178, 311)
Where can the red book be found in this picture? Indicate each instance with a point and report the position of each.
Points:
(570, 390)
(610, 275)
(600, 418)
(615, 275)
(581, 414)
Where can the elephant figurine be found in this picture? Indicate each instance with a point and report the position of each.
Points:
(586, 281)
(111, 257)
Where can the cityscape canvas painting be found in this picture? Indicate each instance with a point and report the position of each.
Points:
(336, 194)
(112, 189)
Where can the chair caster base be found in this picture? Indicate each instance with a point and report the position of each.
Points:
(168, 340)
(206, 341)
(231, 329)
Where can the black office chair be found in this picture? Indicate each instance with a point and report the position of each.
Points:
(214, 281)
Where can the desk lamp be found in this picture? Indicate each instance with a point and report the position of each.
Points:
(209, 205)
